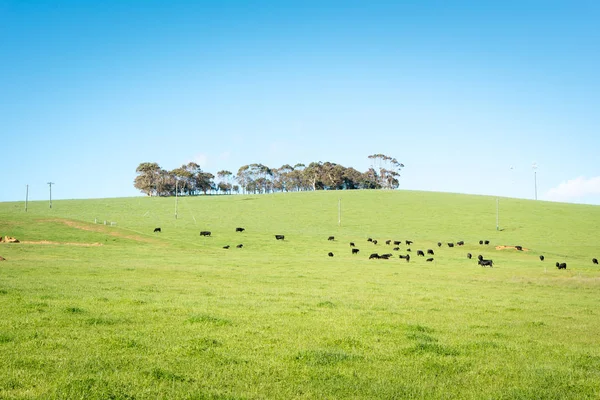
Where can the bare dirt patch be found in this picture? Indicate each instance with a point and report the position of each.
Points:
(62, 243)
(510, 247)
(100, 229)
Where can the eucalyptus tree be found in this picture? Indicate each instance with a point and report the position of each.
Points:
(147, 179)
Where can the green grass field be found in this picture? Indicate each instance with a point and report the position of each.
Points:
(90, 311)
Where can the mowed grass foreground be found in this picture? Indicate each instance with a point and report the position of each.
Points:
(98, 312)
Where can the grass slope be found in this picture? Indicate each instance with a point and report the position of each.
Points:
(120, 312)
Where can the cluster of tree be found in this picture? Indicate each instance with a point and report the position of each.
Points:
(258, 178)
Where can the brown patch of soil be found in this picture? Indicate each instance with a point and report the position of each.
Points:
(62, 243)
(510, 247)
(99, 228)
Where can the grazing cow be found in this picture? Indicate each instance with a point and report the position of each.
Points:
(486, 263)
(352, 244)
(480, 257)
(205, 233)
(430, 251)
(279, 237)
(331, 238)
(408, 242)
(520, 248)
(330, 254)
(2, 258)
(397, 242)
(239, 246)
(486, 242)
(396, 248)
(541, 258)
(388, 242)
(408, 249)
(429, 260)
(595, 260)
(401, 256)
(355, 251)
(385, 256)
(374, 255)
(460, 243)
(420, 253)
(369, 240)
(439, 244)
(226, 247)
(388, 255)
(450, 244)
(374, 241)
(157, 230)
(561, 265)
(240, 229)
(469, 256)
(481, 242)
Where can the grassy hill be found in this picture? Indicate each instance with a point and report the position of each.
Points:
(99, 311)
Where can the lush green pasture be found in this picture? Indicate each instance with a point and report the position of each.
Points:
(101, 312)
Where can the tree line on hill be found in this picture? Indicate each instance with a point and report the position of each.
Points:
(190, 179)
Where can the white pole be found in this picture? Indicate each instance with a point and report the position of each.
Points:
(26, 197)
(497, 213)
(176, 198)
(340, 212)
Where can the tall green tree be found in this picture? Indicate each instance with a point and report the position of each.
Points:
(147, 179)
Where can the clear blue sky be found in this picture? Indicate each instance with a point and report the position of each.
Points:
(459, 91)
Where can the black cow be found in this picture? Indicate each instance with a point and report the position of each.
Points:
(369, 240)
(331, 238)
(429, 260)
(595, 260)
(460, 243)
(481, 242)
(450, 244)
(486, 242)
(374, 241)
(239, 246)
(561, 265)
(397, 242)
(401, 256)
(226, 247)
(486, 263)
(205, 233)
(408, 242)
(385, 256)
(430, 251)
(396, 248)
(388, 242)
(352, 244)
(355, 251)
(520, 248)
(279, 237)
(420, 253)
(240, 229)
(480, 257)
(439, 244)
(408, 249)
(469, 256)
(541, 258)
(330, 254)
(157, 230)
(374, 255)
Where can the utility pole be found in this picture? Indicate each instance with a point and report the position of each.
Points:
(534, 167)
(176, 198)
(50, 185)
(26, 197)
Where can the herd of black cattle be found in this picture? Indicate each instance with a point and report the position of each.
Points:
(397, 243)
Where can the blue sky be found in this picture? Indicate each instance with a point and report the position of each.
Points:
(459, 91)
